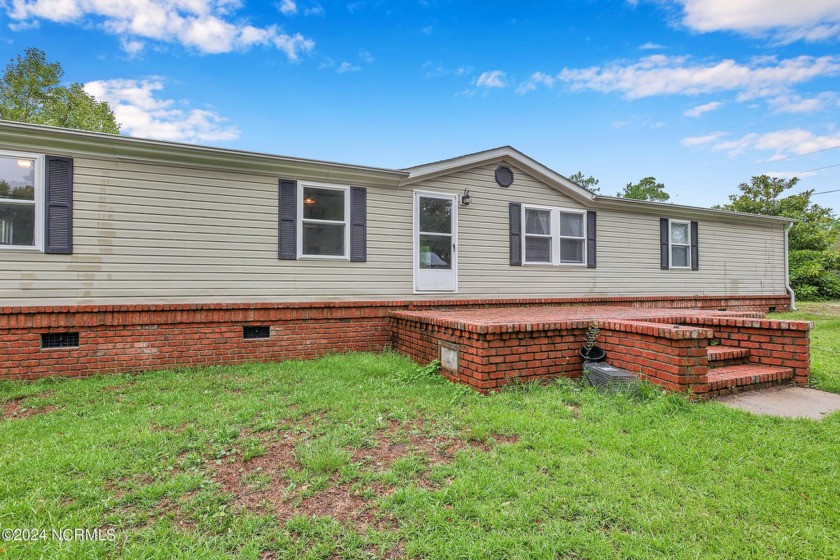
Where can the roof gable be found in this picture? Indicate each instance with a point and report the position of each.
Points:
(505, 154)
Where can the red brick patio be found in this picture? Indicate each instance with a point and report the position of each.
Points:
(706, 352)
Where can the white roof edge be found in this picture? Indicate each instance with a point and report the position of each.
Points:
(549, 176)
(663, 207)
(112, 140)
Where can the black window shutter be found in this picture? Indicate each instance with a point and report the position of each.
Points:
(287, 222)
(664, 235)
(695, 256)
(58, 226)
(590, 239)
(515, 234)
(358, 224)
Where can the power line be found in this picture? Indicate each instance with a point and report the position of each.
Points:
(817, 169)
(808, 153)
(826, 192)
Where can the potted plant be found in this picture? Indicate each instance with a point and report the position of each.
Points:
(589, 352)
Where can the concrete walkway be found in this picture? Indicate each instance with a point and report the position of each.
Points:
(792, 402)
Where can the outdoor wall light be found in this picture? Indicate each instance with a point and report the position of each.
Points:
(465, 198)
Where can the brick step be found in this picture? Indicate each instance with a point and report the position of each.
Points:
(722, 356)
(735, 379)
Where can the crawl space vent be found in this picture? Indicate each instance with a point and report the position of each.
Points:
(260, 331)
(60, 340)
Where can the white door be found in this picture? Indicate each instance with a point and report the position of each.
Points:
(435, 236)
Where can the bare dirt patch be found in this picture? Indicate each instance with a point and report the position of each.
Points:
(262, 485)
(17, 409)
(169, 429)
(829, 309)
(398, 440)
(258, 470)
(348, 505)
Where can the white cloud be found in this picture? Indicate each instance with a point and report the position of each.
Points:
(292, 7)
(132, 47)
(789, 174)
(701, 140)
(649, 46)
(664, 75)
(811, 20)
(491, 79)
(783, 143)
(536, 79)
(433, 70)
(288, 7)
(205, 25)
(141, 113)
(705, 108)
(345, 67)
(366, 56)
(799, 104)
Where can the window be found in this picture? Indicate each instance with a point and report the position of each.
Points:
(554, 236)
(323, 225)
(320, 221)
(538, 235)
(680, 244)
(20, 201)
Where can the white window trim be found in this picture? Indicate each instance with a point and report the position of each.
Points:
(39, 202)
(671, 244)
(301, 220)
(555, 235)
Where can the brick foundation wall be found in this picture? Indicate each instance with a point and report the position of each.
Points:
(489, 360)
(672, 357)
(671, 351)
(122, 338)
(771, 343)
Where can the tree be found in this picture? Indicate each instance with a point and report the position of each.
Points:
(589, 183)
(817, 228)
(646, 189)
(814, 260)
(31, 91)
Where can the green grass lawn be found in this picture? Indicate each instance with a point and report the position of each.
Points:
(367, 456)
(825, 342)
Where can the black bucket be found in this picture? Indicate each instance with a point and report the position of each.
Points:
(594, 354)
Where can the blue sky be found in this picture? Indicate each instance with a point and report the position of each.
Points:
(701, 94)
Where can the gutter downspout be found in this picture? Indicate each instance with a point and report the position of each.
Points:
(787, 270)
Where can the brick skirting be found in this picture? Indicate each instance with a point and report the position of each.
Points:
(669, 347)
(123, 338)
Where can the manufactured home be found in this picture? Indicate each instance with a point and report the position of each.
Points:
(121, 254)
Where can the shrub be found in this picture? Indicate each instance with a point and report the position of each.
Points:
(815, 275)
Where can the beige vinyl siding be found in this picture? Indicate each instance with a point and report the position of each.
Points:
(735, 258)
(147, 232)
